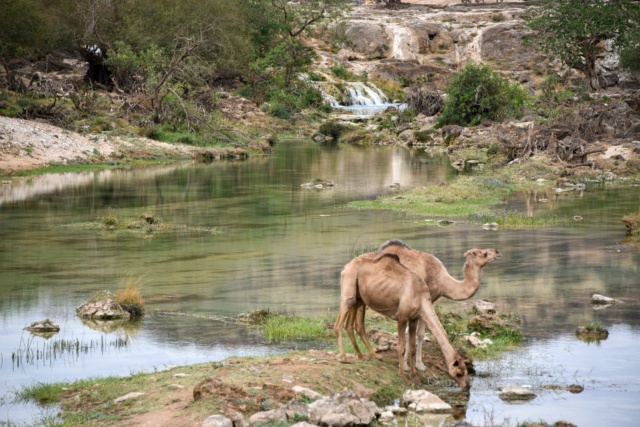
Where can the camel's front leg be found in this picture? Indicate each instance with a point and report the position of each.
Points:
(455, 364)
(420, 366)
(402, 325)
(412, 348)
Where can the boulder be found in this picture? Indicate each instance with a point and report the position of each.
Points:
(601, 299)
(104, 308)
(267, 417)
(516, 393)
(45, 325)
(296, 408)
(330, 412)
(367, 38)
(423, 401)
(364, 410)
(306, 392)
(217, 421)
(484, 307)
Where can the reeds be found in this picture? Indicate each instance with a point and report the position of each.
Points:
(37, 353)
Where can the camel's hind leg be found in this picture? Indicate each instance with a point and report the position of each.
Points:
(352, 318)
(363, 333)
(419, 340)
(348, 308)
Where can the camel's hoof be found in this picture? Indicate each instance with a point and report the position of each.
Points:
(420, 367)
(406, 368)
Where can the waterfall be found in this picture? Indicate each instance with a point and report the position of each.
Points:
(365, 94)
(345, 94)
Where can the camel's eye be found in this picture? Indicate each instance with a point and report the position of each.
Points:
(485, 254)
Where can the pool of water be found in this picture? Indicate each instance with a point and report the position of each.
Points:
(248, 236)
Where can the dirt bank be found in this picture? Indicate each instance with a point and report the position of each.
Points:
(28, 145)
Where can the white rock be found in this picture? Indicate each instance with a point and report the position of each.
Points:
(217, 421)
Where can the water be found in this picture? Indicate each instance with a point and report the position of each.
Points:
(277, 245)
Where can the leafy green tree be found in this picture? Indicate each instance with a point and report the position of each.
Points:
(476, 93)
(573, 29)
(278, 29)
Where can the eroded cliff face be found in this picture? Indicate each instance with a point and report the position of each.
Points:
(423, 42)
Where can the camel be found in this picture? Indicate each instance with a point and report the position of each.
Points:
(383, 284)
(436, 278)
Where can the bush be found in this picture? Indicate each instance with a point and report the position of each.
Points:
(477, 93)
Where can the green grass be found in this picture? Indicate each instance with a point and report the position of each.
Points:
(277, 327)
(461, 197)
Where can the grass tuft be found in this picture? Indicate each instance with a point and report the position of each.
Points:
(129, 297)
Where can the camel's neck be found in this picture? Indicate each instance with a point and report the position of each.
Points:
(459, 290)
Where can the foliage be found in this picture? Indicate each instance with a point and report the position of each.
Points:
(572, 29)
(333, 129)
(279, 53)
(630, 55)
(477, 93)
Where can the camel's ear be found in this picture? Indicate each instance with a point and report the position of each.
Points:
(470, 252)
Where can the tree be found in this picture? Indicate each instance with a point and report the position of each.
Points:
(573, 29)
(278, 30)
(476, 93)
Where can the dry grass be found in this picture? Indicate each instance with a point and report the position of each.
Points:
(129, 297)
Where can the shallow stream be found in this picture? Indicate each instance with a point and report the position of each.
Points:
(248, 236)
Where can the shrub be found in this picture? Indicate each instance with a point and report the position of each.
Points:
(333, 129)
(129, 297)
(477, 93)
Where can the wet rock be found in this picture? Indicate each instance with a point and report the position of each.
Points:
(423, 401)
(512, 393)
(573, 388)
(490, 226)
(601, 299)
(266, 417)
(105, 309)
(217, 421)
(484, 307)
(42, 326)
(591, 333)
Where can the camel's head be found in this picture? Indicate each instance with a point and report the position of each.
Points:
(458, 371)
(482, 257)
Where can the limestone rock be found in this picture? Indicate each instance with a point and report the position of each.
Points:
(484, 307)
(306, 392)
(296, 408)
(106, 308)
(514, 393)
(423, 401)
(601, 299)
(265, 417)
(45, 325)
(217, 421)
(330, 412)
